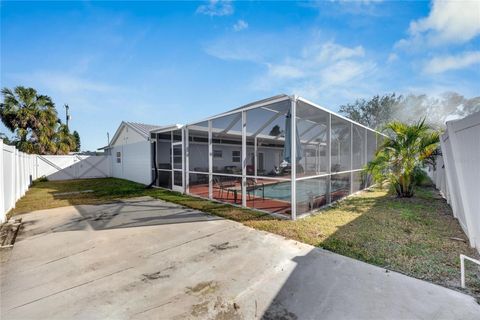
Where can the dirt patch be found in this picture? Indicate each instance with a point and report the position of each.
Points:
(218, 309)
(162, 274)
(57, 194)
(203, 288)
(8, 232)
(222, 246)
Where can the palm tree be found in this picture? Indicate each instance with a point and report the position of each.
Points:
(32, 117)
(76, 136)
(64, 140)
(401, 157)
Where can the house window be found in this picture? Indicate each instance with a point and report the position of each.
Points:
(119, 157)
(217, 154)
(235, 156)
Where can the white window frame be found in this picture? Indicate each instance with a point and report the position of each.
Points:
(236, 158)
(119, 157)
(217, 158)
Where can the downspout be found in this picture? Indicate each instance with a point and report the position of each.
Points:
(154, 159)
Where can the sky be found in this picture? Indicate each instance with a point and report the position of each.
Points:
(178, 62)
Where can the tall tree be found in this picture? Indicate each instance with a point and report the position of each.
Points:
(31, 117)
(5, 138)
(76, 137)
(33, 120)
(401, 157)
(64, 141)
(373, 113)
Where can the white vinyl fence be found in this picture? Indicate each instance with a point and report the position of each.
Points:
(18, 170)
(457, 173)
(68, 167)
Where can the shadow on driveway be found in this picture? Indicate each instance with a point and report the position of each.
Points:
(129, 213)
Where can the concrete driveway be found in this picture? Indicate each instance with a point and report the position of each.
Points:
(148, 259)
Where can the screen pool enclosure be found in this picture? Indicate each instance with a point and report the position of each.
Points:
(283, 155)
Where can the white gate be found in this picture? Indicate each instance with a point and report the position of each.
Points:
(73, 167)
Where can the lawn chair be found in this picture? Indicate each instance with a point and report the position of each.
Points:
(223, 185)
(252, 185)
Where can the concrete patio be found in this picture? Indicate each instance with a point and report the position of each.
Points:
(148, 259)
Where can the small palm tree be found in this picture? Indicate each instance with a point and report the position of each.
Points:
(401, 157)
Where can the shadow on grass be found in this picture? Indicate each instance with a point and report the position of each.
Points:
(104, 204)
(416, 236)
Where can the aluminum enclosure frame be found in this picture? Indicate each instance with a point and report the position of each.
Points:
(243, 178)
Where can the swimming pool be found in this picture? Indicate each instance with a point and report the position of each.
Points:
(305, 189)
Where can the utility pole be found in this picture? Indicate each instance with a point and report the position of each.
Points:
(67, 116)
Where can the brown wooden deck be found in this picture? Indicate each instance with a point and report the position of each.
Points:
(270, 205)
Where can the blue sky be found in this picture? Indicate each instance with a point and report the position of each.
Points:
(178, 62)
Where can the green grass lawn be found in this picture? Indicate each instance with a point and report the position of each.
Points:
(413, 236)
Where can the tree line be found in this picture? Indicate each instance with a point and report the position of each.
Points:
(34, 122)
(379, 110)
(413, 124)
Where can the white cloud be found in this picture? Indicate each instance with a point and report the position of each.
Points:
(216, 8)
(392, 57)
(320, 70)
(452, 62)
(449, 22)
(240, 25)
(331, 51)
(70, 83)
(240, 46)
(313, 67)
(285, 71)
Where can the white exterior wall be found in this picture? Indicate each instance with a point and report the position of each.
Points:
(135, 162)
(271, 156)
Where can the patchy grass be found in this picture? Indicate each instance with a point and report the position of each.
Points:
(44, 194)
(413, 236)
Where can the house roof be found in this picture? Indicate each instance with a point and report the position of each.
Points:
(142, 128)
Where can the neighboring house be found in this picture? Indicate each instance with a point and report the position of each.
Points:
(130, 152)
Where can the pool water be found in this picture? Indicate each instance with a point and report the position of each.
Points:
(305, 188)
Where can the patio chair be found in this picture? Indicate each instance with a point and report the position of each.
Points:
(253, 185)
(223, 185)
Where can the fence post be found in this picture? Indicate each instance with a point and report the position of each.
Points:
(12, 178)
(17, 185)
(2, 187)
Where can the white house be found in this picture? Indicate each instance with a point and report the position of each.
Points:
(130, 152)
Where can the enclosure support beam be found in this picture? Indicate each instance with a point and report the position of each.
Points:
(309, 129)
(329, 157)
(231, 125)
(351, 158)
(244, 158)
(293, 156)
(273, 118)
(171, 160)
(210, 161)
(255, 155)
(184, 160)
(366, 156)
